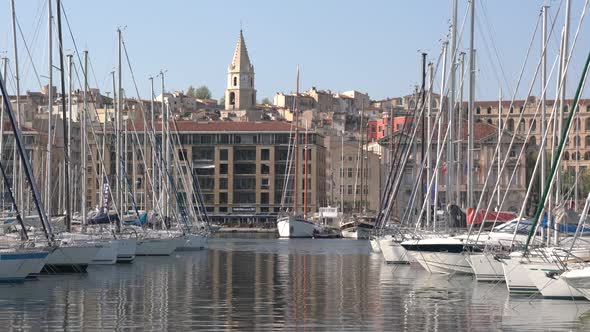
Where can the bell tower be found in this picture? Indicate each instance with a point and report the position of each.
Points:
(240, 93)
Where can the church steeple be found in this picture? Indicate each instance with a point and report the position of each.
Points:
(240, 93)
(241, 61)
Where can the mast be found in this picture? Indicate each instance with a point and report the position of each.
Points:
(48, 178)
(65, 122)
(296, 148)
(342, 173)
(83, 139)
(498, 201)
(543, 94)
(422, 153)
(439, 131)
(154, 197)
(4, 72)
(103, 201)
(562, 95)
(16, 166)
(305, 170)
(471, 110)
(69, 142)
(428, 151)
(451, 110)
(114, 185)
(459, 170)
(118, 114)
(163, 190)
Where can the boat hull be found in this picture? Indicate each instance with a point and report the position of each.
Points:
(485, 267)
(517, 278)
(107, 254)
(394, 253)
(126, 250)
(193, 242)
(70, 259)
(16, 265)
(550, 285)
(357, 233)
(156, 246)
(292, 227)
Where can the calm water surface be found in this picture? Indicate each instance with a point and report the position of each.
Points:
(263, 284)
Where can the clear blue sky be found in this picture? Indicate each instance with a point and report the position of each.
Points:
(371, 46)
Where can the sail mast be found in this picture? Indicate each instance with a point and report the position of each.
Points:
(49, 178)
(83, 138)
(471, 110)
(451, 110)
(65, 122)
(296, 148)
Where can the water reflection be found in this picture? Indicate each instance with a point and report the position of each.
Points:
(258, 284)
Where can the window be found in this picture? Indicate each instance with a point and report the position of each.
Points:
(587, 155)
(576, 140)
(576, 156)
(350, 172)
(223, 198)
(489, 110)
(587, 108)
(222, 183)
(521, 109)
(223, 154)
(235, 81)
(265, 154)
(566, 108)
(511, 124)
(232, 98)
(511, 109)
(478, 110)
(533, 125)
(587, 124)
(490, 121)
(264, 169)
(350, 189)
(566, 156)
(223, 169)
(587, 141)
(264, 184)
(264, 198)
(245, 197)
(533, 140)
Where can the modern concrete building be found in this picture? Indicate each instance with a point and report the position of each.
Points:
(241, 167)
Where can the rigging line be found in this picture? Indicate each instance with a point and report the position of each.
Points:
(557, 159)
(504, 128)
(28, 53)
(522, 151)
(492, 33)
(152, 138)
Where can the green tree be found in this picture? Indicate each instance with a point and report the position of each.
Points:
(266, 101)
(203, 92)
(221, 101)
(190, 91)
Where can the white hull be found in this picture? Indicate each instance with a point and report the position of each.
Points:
(358, 233)
(126, 250)
(16, 264)
(156, 246)
(192, 242)
(516, 277)
(71, 258)
(107, 254)
(394, 253)
(375, 247)
(293, 227)
(443, 262)
(579, 279)
(486, 267)
(546, 279)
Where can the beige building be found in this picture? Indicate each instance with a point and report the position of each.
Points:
(241, 167)
(346, 187)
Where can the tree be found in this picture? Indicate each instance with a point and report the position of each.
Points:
(203, 92)
(190, 91)
(266, 101)
(221, 101)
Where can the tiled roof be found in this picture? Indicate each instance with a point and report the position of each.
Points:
(222, 126)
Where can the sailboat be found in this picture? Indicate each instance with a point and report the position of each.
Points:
(292, 224)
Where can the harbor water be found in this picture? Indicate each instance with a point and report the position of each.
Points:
(262, 283)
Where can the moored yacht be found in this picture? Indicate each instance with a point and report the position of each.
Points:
(296, 227)
(357, 227)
